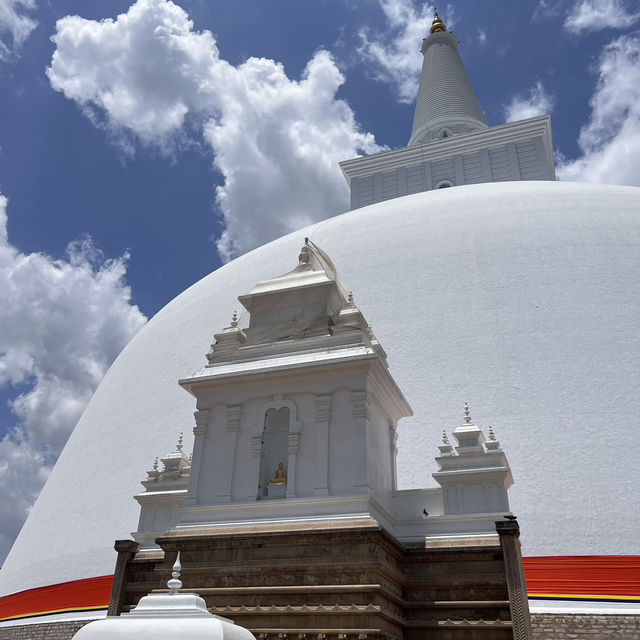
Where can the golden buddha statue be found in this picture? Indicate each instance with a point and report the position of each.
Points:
(280, 477)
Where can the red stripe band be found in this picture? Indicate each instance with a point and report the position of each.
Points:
(584, 577)
(78, 595)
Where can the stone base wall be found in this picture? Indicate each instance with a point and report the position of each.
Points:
(545, 627)
(47, 631)
(335, 583)
(548, 626)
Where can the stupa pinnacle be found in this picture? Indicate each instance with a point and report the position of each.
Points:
(437, 24)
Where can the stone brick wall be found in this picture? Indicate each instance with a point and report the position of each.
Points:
(545, 627)
(585, 627)
(50, 631)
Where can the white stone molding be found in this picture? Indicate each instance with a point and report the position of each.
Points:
(232, 426)
(513, 160)
(233, 418)
(361, 411)
(360, 401)
(485, 163)
(202, 417)
(393, 450)
(294, 448)
(323, 416)
(256, 446)
(459, 168)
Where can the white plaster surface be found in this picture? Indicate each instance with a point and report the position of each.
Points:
(522, 299)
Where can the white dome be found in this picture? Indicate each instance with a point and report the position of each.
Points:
(521, 298)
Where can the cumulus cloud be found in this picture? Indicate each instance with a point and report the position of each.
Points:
(62, 323)
(277, 144)
(15, 26)
(593, 15)
(536, 102)
(276, 141)
(610, 140)
(395, 55)
(145, 71)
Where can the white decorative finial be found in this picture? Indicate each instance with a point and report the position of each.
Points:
(155, 464)
(175, 583)
(492, 436)
(234, 320)
(445, 439)
(350, 297)
(467, 415)
(180, 439)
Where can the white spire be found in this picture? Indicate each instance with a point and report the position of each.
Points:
(175, 583)
(447, 104)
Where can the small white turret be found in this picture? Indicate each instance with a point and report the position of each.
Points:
(474, 475)
(166, 616)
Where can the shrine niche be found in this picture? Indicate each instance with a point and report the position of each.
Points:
(275, 444)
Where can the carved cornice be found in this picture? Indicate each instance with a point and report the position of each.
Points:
(202, 421)
(360, 401)
(323, 408)
(294, 443)
(256, 446)
(234, 412)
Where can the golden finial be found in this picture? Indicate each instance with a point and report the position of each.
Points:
(437, 24)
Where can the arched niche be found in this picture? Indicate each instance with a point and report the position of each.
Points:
(278, 449)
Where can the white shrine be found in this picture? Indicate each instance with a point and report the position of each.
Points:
(296, 424)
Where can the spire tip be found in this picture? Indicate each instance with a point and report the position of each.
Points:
(437, 25)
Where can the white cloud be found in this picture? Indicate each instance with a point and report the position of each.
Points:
(545, 10)
(277, 145)
(610, 141)
(482, 36)
(395, 54)
(593, 15)
(62, 323)
(15, 26)
(276, 141)
(536, 102)
(147, 70)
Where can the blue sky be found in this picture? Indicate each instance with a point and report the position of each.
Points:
(144, 144)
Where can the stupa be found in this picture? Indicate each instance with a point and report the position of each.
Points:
(518, 296)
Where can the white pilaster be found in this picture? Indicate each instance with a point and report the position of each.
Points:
(361, 414)
(323, 416)
(199, 432)
(232, 427)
